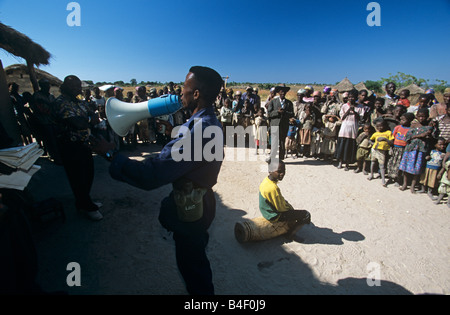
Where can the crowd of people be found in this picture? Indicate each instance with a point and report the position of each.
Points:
(406, 144)
(379, 134)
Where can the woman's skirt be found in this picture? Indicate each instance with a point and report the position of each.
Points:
(346, 150)
(304, 136)
(412, 162)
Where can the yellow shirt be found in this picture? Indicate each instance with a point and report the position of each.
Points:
(271, 202)
(382, 145)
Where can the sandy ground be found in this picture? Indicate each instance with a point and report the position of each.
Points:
(359, 230)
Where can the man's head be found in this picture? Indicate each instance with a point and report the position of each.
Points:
(277, 170)
(71, 86)
(44, 85)
(201, 87)
(390, 88)
(13, 87)
(141, 91)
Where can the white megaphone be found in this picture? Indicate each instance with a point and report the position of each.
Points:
(122, 116)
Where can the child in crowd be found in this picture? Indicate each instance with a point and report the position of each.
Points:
(417, 138)
(226, 115)
(364, 146)
(383, 141)
(307, 119)
(444, 185)
(398, 149)
(404, 94)
(274, 207)
(291, 141)
(422, 103)
(329, 135)
(434, 163)
(261, 128)
(378, 110)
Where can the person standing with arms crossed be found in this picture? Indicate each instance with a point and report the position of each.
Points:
(191, 177)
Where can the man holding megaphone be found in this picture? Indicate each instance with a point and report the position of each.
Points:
(190, 208)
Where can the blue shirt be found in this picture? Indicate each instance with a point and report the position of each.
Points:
(158, 171)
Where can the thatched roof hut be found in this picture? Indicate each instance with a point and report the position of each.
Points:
(361, 86)
(344, 86)
(19, 45)
(19, 73)
(414, 91)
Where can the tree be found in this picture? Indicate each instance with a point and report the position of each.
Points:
(133, 82)
(440, 86)
(401, 79)
(375, 86)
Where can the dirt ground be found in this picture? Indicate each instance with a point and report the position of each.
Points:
(364, 238)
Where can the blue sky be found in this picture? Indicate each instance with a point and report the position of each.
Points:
(290, 41)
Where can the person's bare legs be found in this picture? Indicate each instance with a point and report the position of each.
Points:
(405, 181)
(439, 199)
(413, 184)
(383, 175)
(372, 167)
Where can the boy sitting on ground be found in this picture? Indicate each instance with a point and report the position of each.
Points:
(274, 207)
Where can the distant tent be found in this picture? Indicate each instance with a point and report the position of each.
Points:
(344, 86)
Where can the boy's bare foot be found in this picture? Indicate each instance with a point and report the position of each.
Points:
(365, 173)
(370, 177)
(402, 188)
(357, 171)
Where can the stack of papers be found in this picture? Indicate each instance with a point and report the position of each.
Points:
(22, 159)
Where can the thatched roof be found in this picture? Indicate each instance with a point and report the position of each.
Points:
(20, 45)
(413, 89)
(361, 86)
(344, 86)
(39, 74)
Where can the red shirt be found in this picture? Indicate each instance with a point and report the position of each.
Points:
(404, 101)
(400, 135)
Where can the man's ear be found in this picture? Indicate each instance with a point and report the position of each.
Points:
(196, 94)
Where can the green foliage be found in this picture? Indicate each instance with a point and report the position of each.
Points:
(401, 79)
(265, 86)
(376, 86)
(133, 82)
(441, 86)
